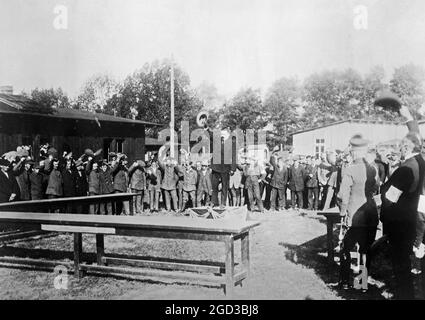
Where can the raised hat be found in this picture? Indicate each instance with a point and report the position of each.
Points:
(388, 100)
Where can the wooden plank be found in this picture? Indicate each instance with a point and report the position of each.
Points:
(77, 254)
(245, 252)
(185, 224)
(100, 248)
(330, 241)
(78, 229)
(230, 266)
(164, 265)
(175, 276)
(64, 201)
(165, 234)
(20, 235)
(35, 263)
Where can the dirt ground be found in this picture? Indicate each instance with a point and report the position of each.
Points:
(288, 261)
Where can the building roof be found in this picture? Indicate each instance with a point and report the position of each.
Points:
(350, 121)
(21, 105)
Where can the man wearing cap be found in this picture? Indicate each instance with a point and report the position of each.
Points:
(106, 186)
(359, 183)
(36, 179)
(93, 174)
(399, 215)
(9, 189)
(22, 171)
(120, 174)
(55, 184)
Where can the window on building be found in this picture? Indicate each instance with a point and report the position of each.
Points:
(319, 147)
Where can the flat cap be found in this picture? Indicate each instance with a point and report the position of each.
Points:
(357, 142)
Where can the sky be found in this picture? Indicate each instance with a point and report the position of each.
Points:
(229, 43)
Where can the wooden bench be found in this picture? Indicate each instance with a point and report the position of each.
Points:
(47, 205)
(144, 226)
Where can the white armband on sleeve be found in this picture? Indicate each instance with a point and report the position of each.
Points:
(421, 204)
(393, 194)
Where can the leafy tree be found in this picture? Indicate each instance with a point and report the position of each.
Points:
(96, 93)
(281, 106)
(244, 111)
(408, 83)
(148, 91)
(49, 98)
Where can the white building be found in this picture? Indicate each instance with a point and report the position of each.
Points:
(335, 136)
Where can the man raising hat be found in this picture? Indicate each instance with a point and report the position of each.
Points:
(399, 214)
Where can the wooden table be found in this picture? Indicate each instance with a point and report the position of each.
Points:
(47, 205)
(145, 226)
(333, 216)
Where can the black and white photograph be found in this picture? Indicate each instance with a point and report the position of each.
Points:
(212, 150)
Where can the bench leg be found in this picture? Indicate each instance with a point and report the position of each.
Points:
(78, 250)
(245, 254)
(100, 248)
(229, 266)
(330, 241)
(131, 209)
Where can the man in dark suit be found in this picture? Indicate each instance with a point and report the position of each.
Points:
(220, 169)
(399, 215)
(9, 188)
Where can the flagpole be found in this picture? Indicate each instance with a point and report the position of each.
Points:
(172, 108)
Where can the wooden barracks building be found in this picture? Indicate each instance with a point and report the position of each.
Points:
(335, 136)
(24, 122)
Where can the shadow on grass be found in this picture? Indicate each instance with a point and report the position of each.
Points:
(313, 254)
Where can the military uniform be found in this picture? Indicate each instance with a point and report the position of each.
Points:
(359, 183)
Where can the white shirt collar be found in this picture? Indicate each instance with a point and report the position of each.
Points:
(411, 155)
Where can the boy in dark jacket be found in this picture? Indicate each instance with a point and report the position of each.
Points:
(36, 179)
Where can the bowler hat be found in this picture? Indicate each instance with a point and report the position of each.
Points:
(388, 100)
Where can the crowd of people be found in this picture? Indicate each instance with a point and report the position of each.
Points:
(283, 182)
